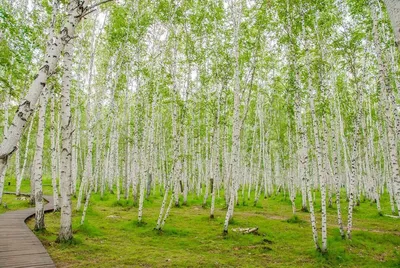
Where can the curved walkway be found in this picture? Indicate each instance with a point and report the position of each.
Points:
(19, 247)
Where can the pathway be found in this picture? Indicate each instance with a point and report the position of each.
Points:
(19, 247)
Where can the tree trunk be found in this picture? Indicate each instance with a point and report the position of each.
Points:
(393, 10)
(65, 233)
(38, 163)
(53, 156)
(21, 174)
(234, 165)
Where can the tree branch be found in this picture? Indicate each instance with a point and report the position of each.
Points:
(98, 4)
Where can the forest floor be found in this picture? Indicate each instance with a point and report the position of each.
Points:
(111, 236)
(11, 202)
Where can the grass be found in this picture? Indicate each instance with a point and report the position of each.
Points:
(12, 202)
(295, 219)
(111, 236)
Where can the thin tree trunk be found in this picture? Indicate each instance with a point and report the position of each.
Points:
(21, 174)
(53, 156)
(160, 216)
(38, 163)
(336, 154)
(234, 165)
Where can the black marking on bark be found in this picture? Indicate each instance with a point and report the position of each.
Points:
(21, 115)
(13, 150)
(4, 157)
(45, 68)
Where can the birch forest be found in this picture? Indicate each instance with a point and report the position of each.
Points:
(204, 133)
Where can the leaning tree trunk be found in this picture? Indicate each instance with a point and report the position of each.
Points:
(21, 173)
(161, 214)
(77, 9)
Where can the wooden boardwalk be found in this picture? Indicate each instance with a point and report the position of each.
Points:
(19, 247)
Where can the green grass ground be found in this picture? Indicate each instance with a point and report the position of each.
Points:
(111, 237)
(11, 202)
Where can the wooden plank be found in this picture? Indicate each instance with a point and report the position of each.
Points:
(28, 260)
(19, 247)
(22, 252)
(22, 233)
(33, 266)
(4, 250)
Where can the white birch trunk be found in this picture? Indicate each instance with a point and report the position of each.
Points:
(215, 155)
(321, 177)
(65, 233)
(160, 216)
(53, 156)
(142, 176)
(393, 10)
(75, 14)
(185, 169)
(353, 167)
(336, 155)
(234, 165)
(168, 209)
(38, 163)
(21, 174)
(175, 134)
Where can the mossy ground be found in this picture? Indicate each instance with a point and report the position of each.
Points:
(191, 239)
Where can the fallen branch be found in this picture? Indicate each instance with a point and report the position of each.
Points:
(246, 230)
(391, 216)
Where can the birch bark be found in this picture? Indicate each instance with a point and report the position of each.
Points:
(53, 155)
(76, 10)
(21, 174)
(393, 10)
(38, 163)
(234, 164)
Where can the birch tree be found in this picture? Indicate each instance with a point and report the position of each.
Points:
(38, 163)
